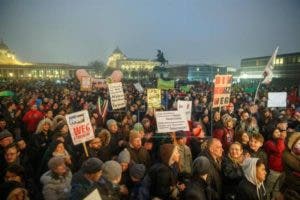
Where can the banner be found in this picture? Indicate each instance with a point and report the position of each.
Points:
(80, 127)
(6, 93)
(138, 87)
(154, 98)
(117, 97)
(171, 121)
(277, 99)
(268, 72)
(185, 107)
(185, 88)
(86, 83)
(222, 90)
(165, 85)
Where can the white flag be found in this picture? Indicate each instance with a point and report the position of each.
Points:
(268, 72)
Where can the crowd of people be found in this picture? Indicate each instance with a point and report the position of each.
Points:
(243, 151)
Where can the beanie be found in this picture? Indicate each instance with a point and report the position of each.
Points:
(91, 165)
(138, 127)
(201, 166)
(55, 161)
(111, 170)
(4, 134)
(137, 171)
(166, 151)
(124, 156)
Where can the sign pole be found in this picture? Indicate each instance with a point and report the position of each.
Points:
(85, 149)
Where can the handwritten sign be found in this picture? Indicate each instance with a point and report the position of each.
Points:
(277, 99)
(94, 195)
(185, 107)
(86, 83)
(154, 98)
(170, 121)
(222, 90)
(116, 95)
(80, 127)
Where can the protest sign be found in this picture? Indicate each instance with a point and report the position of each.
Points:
(86, 83)
(138, 87)
(94, 195)
(185, 107)
(277, 99)
(222, 90)
(171, 121)
(154, 98)
(80, 127)
(116, 94)
(165, 85)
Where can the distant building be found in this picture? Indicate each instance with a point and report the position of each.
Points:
(132, 68)
(287, 67)
(200, 72)
(11, 67)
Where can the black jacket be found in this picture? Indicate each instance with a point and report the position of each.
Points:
(198, 189)
(248, 191)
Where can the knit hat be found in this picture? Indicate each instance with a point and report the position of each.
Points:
(91, 165)
(138, 127)
(137, 171)
(124, 156)
(166, 151)
(201, 166)
(4, 134)
(294, 137)
(55, 161)
(111, 170)
(134, 134)
(110, 122)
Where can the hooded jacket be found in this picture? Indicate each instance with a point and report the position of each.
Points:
(250, 188)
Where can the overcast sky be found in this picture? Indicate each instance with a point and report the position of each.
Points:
(187, 31)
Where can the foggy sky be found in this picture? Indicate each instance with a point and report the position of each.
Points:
(187, 31)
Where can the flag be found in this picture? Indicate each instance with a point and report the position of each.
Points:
(100, 103)
(104, 110)
(6, 93)
(268, 72)
(165, 85)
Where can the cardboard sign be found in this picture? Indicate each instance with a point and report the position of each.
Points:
(171, 121)
(277, 99)
(94, 195)
(185, 107)
(116, 94)
(154, 98)
(138, 87)
(222, 90)
(86, 83)
(80, 127)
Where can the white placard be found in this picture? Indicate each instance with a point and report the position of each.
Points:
(277, 99)
(138, 87)
(170, 121)
(94, 195)
(117, 97)
(185, 107)
(80, 127)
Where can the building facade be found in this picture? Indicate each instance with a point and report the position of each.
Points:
(132, 68)
(287, 67)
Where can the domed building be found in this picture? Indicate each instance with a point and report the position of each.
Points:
(132, 68)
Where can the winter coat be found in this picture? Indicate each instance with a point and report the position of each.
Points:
(163, 178)
(108, 191)
(195, 145)
(261, 154)
(232, 174)
(140, 156)
(250, 188)
(185, 164)
(292, 171)
(81, 187)
(247, 191)
(198, 189)
(56, 187)
(214, 176)
(274, 150)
